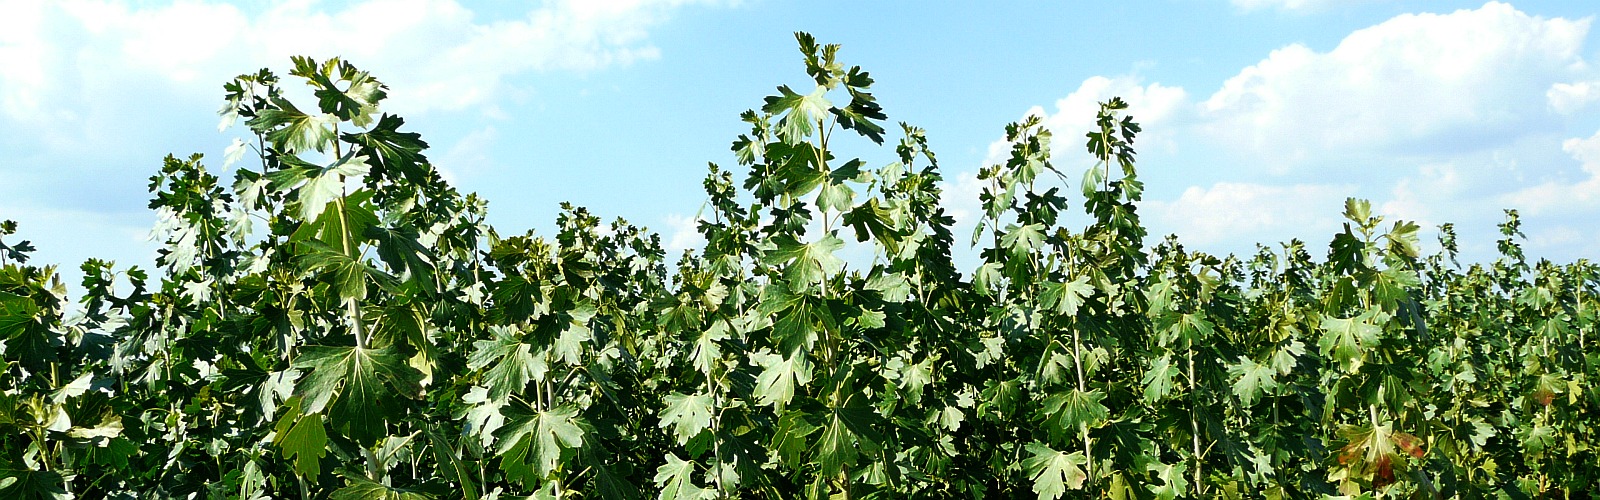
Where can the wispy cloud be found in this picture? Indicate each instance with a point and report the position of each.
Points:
(1292, 5)
(1232, 216)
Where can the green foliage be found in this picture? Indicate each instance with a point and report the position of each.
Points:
(341, 323)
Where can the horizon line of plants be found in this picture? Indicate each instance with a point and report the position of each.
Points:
(341, 323)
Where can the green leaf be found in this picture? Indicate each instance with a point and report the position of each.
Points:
(532, 443)
(303, 439)
(799, 112)
(26, 339)
(1067, 412)
(483, 416)
(797, 327)
(390, 149)
(516, 299)
(1093, 179)
(348, 275)
(1021, 240)
(569, 346)
(323, 186)
(893, 286)
(1347, 340)
(779, 377)
(101, 434)
(402, 250)
(360, 488)
(23, 484)
(610, 483)
(1192, 328)
(1066, 298)
(291, 130)
(806, 264)
(345, 225)
(73, 389)
(356, 102)
(1158, 380)
(915, 377)
(987, 278)
(862, 110)
(950, 418)
(1173, 483)
(676, 479)
(836, 197)
(1393, 286)
(1053, 472)
(688, 416)
(1403, 240)
(789, 438)
(1537, 440)
(871, 220)
(1357, 211)
(1251, 379)
(707, 352)
(370, 384)
(450, 464)
(514, 365)
(1284, 357)
(848, 432)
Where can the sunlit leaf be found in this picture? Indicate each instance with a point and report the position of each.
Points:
(1053, 472)
(676, 480)
(687, 416)
(532, 443)
(362, 389)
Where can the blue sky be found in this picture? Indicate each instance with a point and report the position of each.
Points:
(1261, 116)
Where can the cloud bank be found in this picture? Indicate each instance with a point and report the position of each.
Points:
(1436, 117)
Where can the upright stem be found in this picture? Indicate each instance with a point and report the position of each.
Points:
(832, 341)
(351, 307)
(1083, 427)
(1194, 421)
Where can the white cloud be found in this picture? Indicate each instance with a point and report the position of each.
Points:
(1565, 196)
(1426, 197)
(683, 233)
(1294, 5)
(435, 54)
(1417, 82)
(469, 155)
(1232, 215)
(94, 92)
(959, 197)
(1436, 117)
(1569, 98)
(1153, 105)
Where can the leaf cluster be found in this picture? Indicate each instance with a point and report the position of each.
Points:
(339, 322)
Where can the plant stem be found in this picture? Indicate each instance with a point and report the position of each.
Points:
(1083, 427)
(1194, 422)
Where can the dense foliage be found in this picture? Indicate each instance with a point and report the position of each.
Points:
(340, 323)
